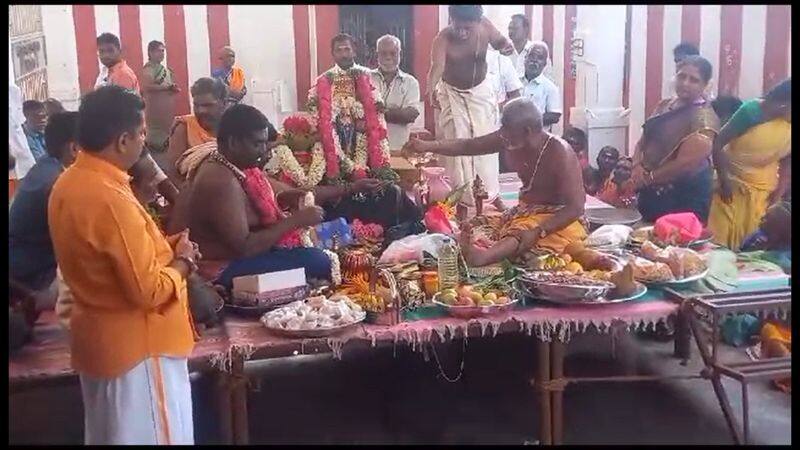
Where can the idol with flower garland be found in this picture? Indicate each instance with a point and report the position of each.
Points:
(339, 149)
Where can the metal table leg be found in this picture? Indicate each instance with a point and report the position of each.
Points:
(557, 351)
(222, 387)
(683, 334)
(542, 378)
(241, 431)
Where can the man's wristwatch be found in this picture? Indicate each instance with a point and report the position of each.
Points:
(189, 262)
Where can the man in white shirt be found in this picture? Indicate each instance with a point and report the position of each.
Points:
(399, 90)
(518, 31)
(539, 88)
(507, 86)
(17, 142)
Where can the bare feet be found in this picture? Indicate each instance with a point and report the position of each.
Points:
(473, 256)
(499, 204)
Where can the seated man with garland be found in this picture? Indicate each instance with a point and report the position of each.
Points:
(341, 151)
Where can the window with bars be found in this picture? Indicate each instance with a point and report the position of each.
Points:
(367, 23)
(28, 54)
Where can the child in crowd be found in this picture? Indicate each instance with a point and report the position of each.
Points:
(774, 236)
(619, 190)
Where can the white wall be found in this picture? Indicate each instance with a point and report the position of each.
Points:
(62, 55)
(263, 37)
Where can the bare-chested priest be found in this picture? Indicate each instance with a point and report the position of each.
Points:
(458, 86)
(552, 198)
(232, 211)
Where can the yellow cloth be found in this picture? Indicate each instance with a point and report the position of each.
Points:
(754, 160)
(195, 133)
(523, 217)
(776, 341)
(128, 304)
(236, 80)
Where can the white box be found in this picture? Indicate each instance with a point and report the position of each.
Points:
(271, 281)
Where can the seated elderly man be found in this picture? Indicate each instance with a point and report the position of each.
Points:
(189, 133)
(232, 211)
(552, 197)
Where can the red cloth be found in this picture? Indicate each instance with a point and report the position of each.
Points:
(685, 226)
(260, 193)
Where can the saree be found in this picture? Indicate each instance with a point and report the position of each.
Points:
(466, 114)
(754, 161)
(663, 135)
(159, 106)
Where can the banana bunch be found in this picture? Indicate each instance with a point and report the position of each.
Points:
(549, 261)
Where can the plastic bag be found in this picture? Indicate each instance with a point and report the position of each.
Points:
(411, 248)
(609, 235)
(678, 229)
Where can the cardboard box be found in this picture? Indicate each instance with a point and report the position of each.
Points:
(272, 281)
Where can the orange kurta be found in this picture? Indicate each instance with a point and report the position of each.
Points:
(195, 134)
(120, 74)
(129, 305)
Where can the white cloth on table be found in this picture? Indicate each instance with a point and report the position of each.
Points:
(401, 92)
(150, 404)
(468, 114)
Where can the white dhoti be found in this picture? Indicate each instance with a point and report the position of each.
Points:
(150, 404)
(468, 114)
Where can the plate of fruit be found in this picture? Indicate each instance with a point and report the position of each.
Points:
(466, 301)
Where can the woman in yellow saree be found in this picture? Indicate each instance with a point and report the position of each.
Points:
(755, 169)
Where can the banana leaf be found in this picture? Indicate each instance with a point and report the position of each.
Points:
(723, 275)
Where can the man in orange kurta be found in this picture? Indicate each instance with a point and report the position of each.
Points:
(193, 130)
(131, 327)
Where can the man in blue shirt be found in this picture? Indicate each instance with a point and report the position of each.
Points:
(35, 122)
(30, 258)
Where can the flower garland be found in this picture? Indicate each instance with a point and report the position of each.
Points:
(336, 270)
(284, 161)
(373, 151)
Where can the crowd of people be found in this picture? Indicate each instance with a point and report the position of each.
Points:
(118, 206)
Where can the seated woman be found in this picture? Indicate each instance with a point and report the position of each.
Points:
(671, 167)
(753, 157)
(618, 190)
(232, 212)
(595, 180)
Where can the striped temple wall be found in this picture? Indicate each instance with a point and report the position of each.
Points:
(282, 47)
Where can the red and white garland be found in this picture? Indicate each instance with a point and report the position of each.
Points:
(372, 148)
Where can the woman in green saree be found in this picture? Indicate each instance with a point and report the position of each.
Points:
(158, 90)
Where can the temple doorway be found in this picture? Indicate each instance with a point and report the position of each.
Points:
(366, 23)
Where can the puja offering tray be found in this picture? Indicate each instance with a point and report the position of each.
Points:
(678, 282)
(313, 333)
(644, 234)
(564, 286)
(470, 312)
(314, 317)
(521, 289)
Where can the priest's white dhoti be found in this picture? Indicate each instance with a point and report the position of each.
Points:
(150, 404)
(468, 114)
